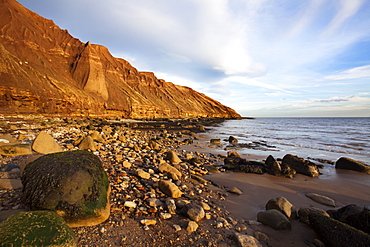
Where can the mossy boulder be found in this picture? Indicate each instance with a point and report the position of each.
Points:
(336, 233)
(73, 184)
(36, 228)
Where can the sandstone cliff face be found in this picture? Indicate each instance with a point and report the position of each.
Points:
(44, 70)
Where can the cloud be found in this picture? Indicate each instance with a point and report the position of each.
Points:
(354, 73)
(347, 9)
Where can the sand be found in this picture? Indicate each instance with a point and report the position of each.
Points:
(345, 187)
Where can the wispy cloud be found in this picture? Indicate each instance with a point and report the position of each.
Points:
(354, 73)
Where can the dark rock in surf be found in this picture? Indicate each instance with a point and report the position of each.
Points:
(233, 140)
(301, 165)
(272, 166)
(350, 164)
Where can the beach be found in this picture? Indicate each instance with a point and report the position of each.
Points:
(228, 214)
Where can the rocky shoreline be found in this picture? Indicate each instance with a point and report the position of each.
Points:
(138, 156)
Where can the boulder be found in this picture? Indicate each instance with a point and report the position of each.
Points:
(281, 204)
(304, 212)
(87, 143)
(350, 164)
(321, 199)
(244, 240)
(301, 165)
(353, 215)
(170, 189)
(73, 184)
(233, 140)
(172, 171)
(36, 228)
(336, 233)
(10, 149)
(272, 166)
(194, 211)
(172, 157)
(45, 144)
(275, 219)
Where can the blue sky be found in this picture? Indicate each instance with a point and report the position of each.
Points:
(283, 58)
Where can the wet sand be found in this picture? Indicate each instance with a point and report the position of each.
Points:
(345, 187)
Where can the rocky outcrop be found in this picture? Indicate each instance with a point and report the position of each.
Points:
(44, 70)
(73, 184)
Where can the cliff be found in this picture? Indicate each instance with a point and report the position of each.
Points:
(44, 70)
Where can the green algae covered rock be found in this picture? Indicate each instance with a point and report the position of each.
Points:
(336, 233)
(73, 184)
(36, 228)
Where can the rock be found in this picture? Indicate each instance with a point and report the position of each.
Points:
(126, 164)
(154, 202)
(201, 128)
(353, 215)
(205, 206)
(172, 157)
(7, 138)
(177, 228)
(304, 213)
(261, 236)
(148, 222)
(281, 204)
(300, 165)
(87, 144)
(215, 141)
(165, 216)
(272, 166)
(194, 211)
(130, 204)
(142, 174)
(232, 154)
(171, 206)
(244, 240)
(275, 219)
(36, 228)
(169, 188)
(233, 140)
(192, 226)
(10, 183)
(350, 164)
(336, 233)
(45, 144)
(199, 179)
(96, 136)
(73, 184)
(154, 145)
(172, 171)
(8, 149)
(321, 199)
(235, 190)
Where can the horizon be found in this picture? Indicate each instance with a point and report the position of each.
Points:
(263, 59)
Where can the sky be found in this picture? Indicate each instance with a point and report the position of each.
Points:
(263, 58)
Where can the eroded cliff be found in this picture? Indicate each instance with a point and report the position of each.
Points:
(44, 70)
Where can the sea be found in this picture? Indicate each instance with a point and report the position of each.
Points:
(316, 138)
